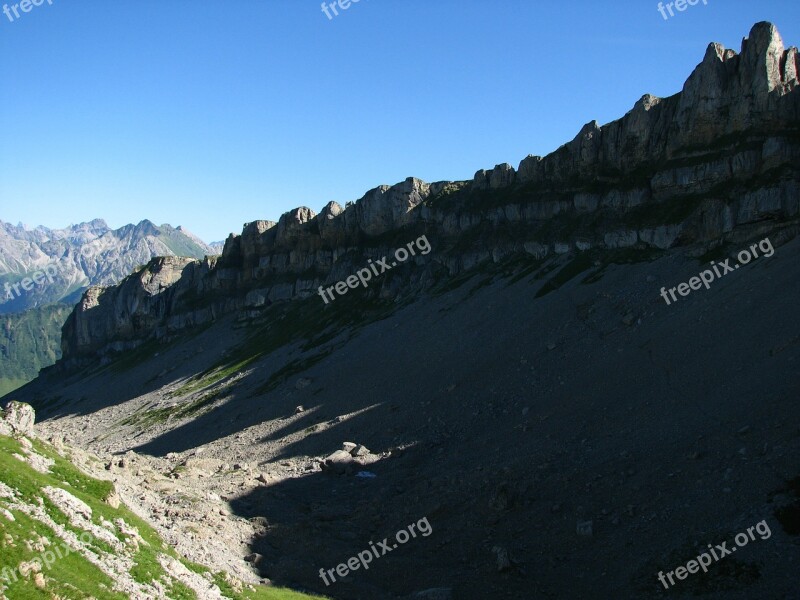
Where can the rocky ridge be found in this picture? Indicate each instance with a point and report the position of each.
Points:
(721, 155)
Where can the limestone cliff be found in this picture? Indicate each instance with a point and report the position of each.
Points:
(722, 154)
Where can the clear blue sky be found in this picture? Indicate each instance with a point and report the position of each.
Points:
(210, 114)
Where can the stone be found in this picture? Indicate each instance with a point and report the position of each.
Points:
(501, 499)
(501, 176)
(259, 521)
(584, 528)
(19, 418)
(339, 462)
(502, 557)
(385, 208)
(360, 451)
(29, 567)
(535, 249)
(291, 225)
(112, 499)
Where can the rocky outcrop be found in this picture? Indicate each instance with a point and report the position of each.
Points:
(691, 168)
(139, 306)
(386, 208)
(17, 419)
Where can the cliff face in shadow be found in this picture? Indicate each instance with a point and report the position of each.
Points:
(723, 153)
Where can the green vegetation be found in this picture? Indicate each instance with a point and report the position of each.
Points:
(29, 341)
(9, 385)
(72, 576)
(572, 269)
(459, 196)
(663, 213)
(131, 358)
(309, 323)
(212, 376)
(620, 256)
(178, 243)
(293, 368)
(448, 284)
(146, 417)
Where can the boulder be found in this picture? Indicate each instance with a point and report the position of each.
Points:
(339, 462)
(361, 450)
(17, 418)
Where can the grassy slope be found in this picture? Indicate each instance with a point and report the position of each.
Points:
(73, 576)
(180, 244)
(28, 342)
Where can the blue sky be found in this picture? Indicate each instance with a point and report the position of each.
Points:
(210, 114)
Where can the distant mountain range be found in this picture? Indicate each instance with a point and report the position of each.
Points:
(59, 265)
(80, 256)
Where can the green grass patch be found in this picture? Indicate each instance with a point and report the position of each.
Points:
(71, 576)
(308, 322)
(293, 368)
(147, 417)
(572, 269)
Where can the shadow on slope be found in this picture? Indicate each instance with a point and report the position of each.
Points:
(528, 420)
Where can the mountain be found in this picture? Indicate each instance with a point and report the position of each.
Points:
(721, 155)
(80, 256)
(59, 265)
(29, 341)
(518, 378)
(217, 247)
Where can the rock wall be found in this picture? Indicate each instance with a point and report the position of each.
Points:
(722, 153)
